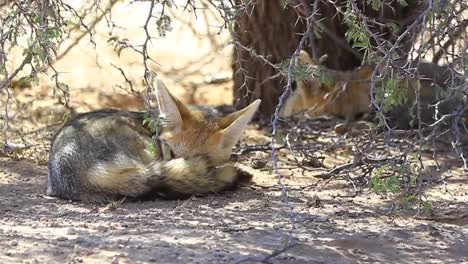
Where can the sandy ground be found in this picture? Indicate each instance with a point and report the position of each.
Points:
(332, 222)
(331, 225)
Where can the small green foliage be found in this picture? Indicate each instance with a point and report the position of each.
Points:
(164, 24)
(154, 125)
(356, 35)
(53, 32)
(375, 4)
(386, 179)
(427, 207)
(280, 138)
(440, 92)
(323, 75)
(151, 123)
(393, 27)
(61, 87)
(392, 93)
(302, 72)
(119, 44)
(384, 185)
(403, 3)
(407, 201)
(413, 182)
(253, 53)
(230, 27)
(405, 169)
(299, 72)
(25, 81)
(151, 147)
(411, 201)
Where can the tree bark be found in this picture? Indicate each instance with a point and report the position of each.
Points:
(268, 29)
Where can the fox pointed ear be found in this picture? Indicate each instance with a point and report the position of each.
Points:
(233, 125)
(304, 58)
(171, 110)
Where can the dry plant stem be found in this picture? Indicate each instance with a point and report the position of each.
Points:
(265, 259)
(127, 80)
(4, 88)
(274, 123)
(457, 33)
(87, 29)
(6, 118)
(364, 160)
(147, 73)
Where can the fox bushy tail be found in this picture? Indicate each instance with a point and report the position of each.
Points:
(176, 178)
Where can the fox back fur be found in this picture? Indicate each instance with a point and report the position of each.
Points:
(109, 154)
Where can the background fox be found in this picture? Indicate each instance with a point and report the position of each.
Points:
(109, 154)
(346, 96)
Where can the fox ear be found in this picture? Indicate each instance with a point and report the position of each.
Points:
(233, 125)
(171, 110)
(304, 58)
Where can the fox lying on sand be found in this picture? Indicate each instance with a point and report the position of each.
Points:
(346, 96)
(105, 155)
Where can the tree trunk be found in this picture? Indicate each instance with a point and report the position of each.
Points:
(267, 29)
(272, 30)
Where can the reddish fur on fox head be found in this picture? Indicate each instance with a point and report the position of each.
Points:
(346, 96)
(191, 133)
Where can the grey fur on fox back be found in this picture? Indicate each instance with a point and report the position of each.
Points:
(108, 154)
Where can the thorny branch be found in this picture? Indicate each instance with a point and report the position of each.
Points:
(88, 29)
(43, 34)
(437, 40)
(286, 92)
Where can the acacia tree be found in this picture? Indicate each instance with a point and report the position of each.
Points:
(266, 36)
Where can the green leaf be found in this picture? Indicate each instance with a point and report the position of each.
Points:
(164, 25)
(151, 148)
(403, 3)
(375, 4)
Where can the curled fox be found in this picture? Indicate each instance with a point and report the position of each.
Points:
(348, 95)
(104, 155)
